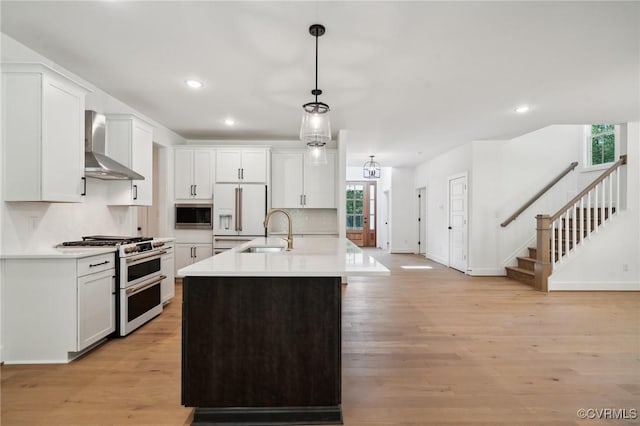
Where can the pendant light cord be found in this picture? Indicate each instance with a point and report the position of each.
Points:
(316, 68)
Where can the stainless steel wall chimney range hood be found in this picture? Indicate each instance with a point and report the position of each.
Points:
(96, 163)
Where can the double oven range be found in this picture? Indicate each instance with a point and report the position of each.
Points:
(138, 278)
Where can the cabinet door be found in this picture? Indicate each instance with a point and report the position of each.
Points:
(228, 165)
(224, 208)
(202, 178)
(183, 256)
(62, 144)
(183, 174)
(202, 251)
(96, 307)
(286, 179)
(167, 287)
(253, 209)
(142, 162)
(320, 184)
(254, 166)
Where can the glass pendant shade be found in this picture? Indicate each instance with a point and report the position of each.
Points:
(315, 127)
(371, 169)
(316, 154)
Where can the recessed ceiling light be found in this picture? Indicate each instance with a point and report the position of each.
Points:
(194, 84)
(522, 109)
(229, 121)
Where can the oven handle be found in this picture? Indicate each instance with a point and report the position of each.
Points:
(144, 285)
(134, 259)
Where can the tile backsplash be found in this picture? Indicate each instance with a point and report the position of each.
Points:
(307, 221)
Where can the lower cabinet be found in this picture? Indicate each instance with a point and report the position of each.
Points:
(188, 253)
(55, 308)
(168, 285)
(96, 307)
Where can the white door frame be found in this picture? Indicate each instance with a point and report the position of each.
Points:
(464, 175)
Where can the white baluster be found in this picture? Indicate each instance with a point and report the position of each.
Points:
(567, 228)
(575, 225)
(589, 206)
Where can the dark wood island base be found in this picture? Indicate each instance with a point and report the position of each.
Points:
(262, 350)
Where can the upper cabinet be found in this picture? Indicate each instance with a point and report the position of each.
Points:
(130, 142)
(193, 173)
(247, 165)
(43, 132)
(297, 184)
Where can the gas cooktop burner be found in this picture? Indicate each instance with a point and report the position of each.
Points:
(104, 240)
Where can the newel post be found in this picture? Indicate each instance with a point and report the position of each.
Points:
(543, 252)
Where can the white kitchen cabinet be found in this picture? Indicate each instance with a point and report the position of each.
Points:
(247, 165)
(129, 141)
(297, 184)
(193, 177)
(43, 132)
(188, 253)
(96, 307)
(167, 262)
(53, 309)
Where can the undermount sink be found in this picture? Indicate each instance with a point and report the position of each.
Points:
(263, 249)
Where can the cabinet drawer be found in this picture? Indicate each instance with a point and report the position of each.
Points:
(93, 264)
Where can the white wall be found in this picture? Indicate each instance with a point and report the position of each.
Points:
(611, 259)
(434, 176)
(522, 167)
(404, 232)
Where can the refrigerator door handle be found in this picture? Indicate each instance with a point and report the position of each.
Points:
(240, 209)
(235, 210)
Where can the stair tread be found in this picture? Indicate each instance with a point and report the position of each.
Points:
(522, 271)
(532, 259)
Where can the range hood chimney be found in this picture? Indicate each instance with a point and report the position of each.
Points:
(96, 163)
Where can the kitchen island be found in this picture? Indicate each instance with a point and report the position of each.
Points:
(261, 331)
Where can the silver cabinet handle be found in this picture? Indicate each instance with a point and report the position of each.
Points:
(195, 252)
(301, 200)
(238, 174)
(241, 173)
(135, 192)
(304, 197)
(195, 190)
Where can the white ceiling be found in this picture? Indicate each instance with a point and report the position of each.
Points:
(407, 79)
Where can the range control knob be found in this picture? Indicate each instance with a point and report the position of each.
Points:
(131, 249)
(158, 244)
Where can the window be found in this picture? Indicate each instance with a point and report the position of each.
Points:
(601, 144)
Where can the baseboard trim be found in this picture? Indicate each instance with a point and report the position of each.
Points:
(487, 272)
(594, 286)
(401, 251)
(268, 416)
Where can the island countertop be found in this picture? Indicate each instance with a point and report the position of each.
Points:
(319, 257)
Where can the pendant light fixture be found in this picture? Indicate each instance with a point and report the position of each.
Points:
(371, 169)
(315, 130)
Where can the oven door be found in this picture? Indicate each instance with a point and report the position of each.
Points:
(140, 303)
(140, 268)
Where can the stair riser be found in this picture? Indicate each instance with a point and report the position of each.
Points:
(527, 264)
(523, 278)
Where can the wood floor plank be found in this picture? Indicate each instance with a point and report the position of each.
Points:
(421, 347)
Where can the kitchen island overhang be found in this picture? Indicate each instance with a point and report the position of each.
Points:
(262, 332)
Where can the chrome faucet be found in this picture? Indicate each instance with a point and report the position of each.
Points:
(286, 213)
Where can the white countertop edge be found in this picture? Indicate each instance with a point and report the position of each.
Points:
(60, 253)
(233, 263)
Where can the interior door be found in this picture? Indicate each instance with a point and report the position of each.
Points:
(361, 213)
(458, 223)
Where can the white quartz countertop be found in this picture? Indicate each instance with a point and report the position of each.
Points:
(59, 253)
(320, 257)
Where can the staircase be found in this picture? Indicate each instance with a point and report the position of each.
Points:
(561, 234)
(525, 271)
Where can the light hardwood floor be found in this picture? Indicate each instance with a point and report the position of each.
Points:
(420, 347)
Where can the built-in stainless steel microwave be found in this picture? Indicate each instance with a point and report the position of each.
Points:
(194, 216)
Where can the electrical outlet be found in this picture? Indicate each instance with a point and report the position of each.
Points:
(625, 267)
